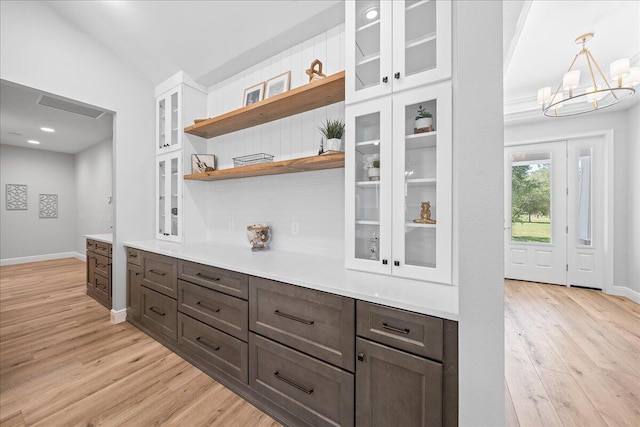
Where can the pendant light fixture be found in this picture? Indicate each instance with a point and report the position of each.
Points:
(571, 99)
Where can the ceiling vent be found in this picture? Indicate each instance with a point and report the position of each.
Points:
(70, 107)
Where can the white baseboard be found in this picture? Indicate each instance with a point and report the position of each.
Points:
(118, 316)
(36, 258)
(81, 257)
(626, 292)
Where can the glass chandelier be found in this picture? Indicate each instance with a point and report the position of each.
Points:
(570, 99)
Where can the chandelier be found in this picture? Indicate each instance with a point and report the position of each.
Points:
(570, 99)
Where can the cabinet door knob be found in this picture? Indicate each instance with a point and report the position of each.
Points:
(385, 79)
(396, 263)
(360, 357)
(385, 262)
(397, 75)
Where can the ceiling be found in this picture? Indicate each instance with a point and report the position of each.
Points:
(212, 40)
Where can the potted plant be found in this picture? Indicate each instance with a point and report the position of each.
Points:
(423, 119)
(372, 167)
(332, 130)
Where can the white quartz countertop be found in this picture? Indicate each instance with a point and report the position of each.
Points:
(315, 272)
(106, 238)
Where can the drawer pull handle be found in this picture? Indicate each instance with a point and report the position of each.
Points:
(360, 357)
(206, 344)
(208, 307)
(159, 273)
(292, 383)
(297, 319)
(404, 331)
(204, 276)
(157, 311)
(133, 256)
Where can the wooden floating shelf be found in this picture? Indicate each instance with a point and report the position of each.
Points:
(313, 95)
(304, 164)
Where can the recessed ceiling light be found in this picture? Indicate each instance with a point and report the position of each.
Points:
(47, 129)
(371, 13)
(31, 141)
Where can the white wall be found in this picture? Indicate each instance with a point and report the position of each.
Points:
(93, 179)
(633, 201)
(563, 127)
(41, 50)
(23, 234)
(477, 205)
(315, 200)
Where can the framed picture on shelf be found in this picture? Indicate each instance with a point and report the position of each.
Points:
(277, 85)
(253, 94)
(203, 163)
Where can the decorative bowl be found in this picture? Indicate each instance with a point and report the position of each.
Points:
(258, 236)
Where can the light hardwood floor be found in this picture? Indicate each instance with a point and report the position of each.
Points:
(572, 357)
(63, 363)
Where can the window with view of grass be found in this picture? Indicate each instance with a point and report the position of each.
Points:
(531, 197)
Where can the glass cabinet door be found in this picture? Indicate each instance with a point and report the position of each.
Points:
(421, 42)
(368, 189)
(161, 208)
(169, 196)
(368, 37)
(422, 184)
(161, 124)
(169, 122)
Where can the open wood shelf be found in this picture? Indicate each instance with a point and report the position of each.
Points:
(313, 95)
(304, 164)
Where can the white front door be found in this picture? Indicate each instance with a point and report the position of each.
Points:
(555, 212)
(535, 212)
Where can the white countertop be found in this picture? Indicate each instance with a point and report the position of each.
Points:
(316, 272)
(106, 238)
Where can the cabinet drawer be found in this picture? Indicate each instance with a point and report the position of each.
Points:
(101, 287)
(102, 265)
(218, 279)
(317, 392)
(133, 256)
(314, 322)
(415, 333)
(102, 248)
(214, 347)
(159, 313)
(229, 314)
(159, 273)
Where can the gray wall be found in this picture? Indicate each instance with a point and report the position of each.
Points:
(93, 178)
(633, 201)
(24, 233)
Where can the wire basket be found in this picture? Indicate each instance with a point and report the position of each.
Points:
(252, 159)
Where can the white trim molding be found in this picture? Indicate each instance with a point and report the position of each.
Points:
(118, 316)
(44, 257)
(623, 291)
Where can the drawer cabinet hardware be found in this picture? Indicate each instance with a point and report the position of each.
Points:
(397, 75)
(396, 263)
(204, 276)
(206, 344)
(159, 273)
(137, 273)
(102, 248)
(297, 319)
(385, 262)
(157, 311)
(404, 331)
(360, 357)
(132, 255)
(208, 307)
(385, 79)
(292, 383)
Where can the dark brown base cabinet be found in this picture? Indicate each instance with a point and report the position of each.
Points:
(305, 357)
(99, 271)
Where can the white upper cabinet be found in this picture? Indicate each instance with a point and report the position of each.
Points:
(169, 196)
(399, 217)
(169, 121)
(396, 45)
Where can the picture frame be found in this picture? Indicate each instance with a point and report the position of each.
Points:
(203, 163)
(277, 85)
(253, 94)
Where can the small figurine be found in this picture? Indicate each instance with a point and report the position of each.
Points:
(425, 214)
(373, 246)
(313, 73)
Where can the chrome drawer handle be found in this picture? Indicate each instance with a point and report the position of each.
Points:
(404, 331)
(156, 311)
(206, 344)
(159, 273)
(297, 319)
(204, 276)
(292, 383)
(208, 307)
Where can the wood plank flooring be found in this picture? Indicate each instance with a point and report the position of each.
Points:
(63, 363)
(572, 357)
